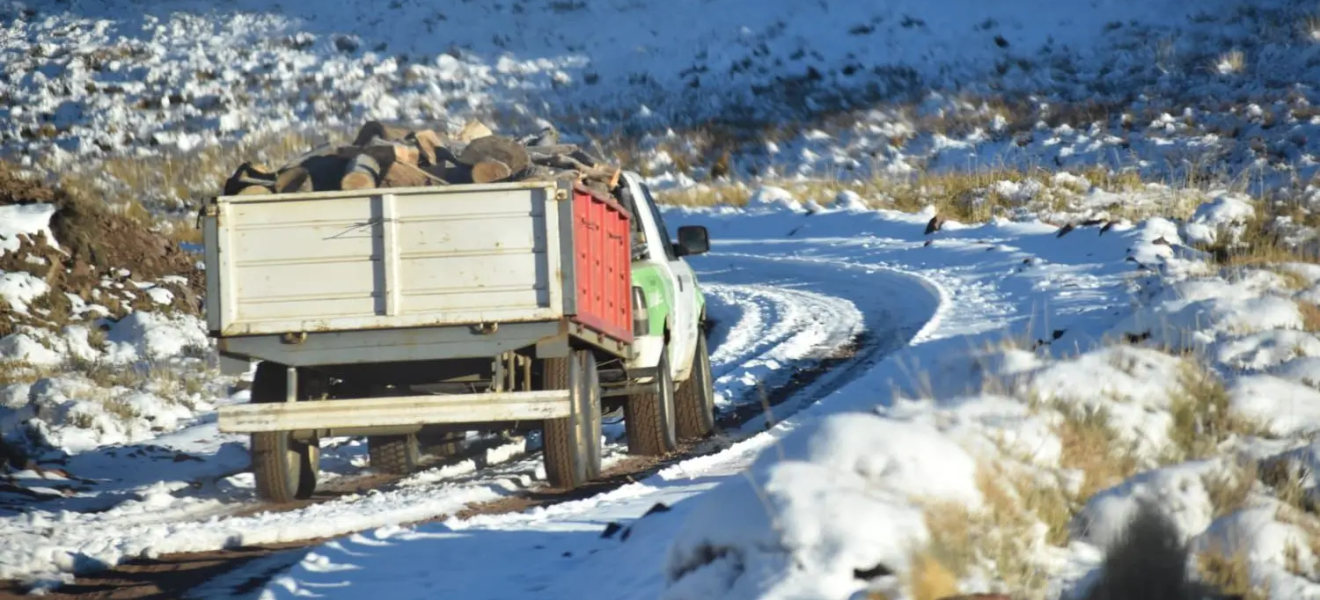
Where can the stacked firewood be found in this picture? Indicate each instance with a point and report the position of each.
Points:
(385, 156)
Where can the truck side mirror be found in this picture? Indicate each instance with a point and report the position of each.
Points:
(692, 240)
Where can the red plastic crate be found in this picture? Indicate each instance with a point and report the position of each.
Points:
(602, 233)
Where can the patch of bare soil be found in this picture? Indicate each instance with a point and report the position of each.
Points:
(166, 578)
(91, 243)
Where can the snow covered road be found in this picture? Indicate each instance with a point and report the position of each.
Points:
(776, 304)
(775, 319)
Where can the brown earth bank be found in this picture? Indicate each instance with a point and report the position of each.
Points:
(92, 242)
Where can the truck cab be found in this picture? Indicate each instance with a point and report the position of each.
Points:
(669, 312)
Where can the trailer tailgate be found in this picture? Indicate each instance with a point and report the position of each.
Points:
(386, 258)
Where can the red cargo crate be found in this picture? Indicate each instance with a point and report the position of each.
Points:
(602, 235)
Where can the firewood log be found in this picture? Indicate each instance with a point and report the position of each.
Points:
(474, 130)
(542, 152)
(248, 174)
(376, 129)
(502, 149)
(426, 141)
(362, 173)
(490, 171)
(400, 174)
(293, 180)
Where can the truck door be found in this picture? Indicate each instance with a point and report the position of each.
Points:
(683, 336)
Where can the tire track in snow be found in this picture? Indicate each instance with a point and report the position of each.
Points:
(807, 327)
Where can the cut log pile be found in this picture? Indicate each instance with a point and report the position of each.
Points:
(386, 156)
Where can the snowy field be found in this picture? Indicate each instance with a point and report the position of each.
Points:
(1060, 258)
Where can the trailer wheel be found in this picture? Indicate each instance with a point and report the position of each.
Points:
(694, 403)
(395, 454)
(572, 444)
(285, 469)
(648, 419)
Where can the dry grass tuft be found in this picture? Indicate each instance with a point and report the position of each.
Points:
(1229, 573)
(929, 579)
(1201, 416)
(1310, 530)
(1230, 488)
(1291, 279)
(120, 409)
(15, 371)
(1126, 180)
(169, 381)
(1287, 478)
(1232, 62)
(706, 196)
(1259, 245)
(1310, 315)
(952, 532)
(1092, 446)
(1002, 535)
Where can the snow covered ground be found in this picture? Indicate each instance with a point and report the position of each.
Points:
(114, 73)
(1016, 390)
(187, 490)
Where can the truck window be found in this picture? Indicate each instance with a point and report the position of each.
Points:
(659, 223)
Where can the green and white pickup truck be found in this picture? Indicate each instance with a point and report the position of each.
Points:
(414, 316)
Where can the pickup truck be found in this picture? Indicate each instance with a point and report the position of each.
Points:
(409, 315)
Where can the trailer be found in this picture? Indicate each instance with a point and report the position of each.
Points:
(413, 314)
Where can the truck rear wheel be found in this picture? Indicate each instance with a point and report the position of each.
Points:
(648, 419)
(440, 444)
(284, 468)
(395, 454)
(694, 403)
(572, 444)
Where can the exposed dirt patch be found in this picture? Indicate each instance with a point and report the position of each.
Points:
(93, 243)
(167, 578)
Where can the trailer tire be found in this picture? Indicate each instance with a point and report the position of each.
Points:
(694, 403)
(572, 451)
(648, 419)
(284, 469)
(394, 454)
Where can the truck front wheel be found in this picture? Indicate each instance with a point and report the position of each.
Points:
(695, 401)
(285, 469)
(648, 419)
(572, 444)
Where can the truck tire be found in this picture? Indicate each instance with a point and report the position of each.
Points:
(648, 419)
(395, 454)
(572, 444)
(440, 444)
(694, 403)
(284, 468)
